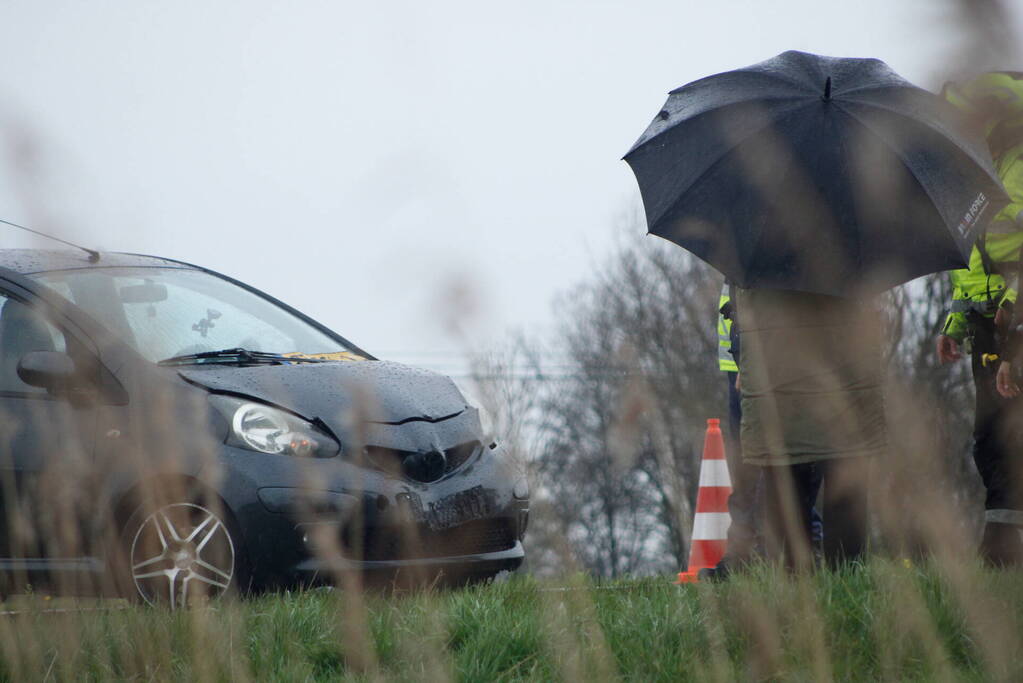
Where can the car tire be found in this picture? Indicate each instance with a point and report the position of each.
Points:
(178, 554)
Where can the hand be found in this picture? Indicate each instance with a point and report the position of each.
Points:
(738, 382)
(1002, 319)
(948, 349)
(1004, 382)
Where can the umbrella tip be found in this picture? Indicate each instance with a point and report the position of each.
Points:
(827, 90)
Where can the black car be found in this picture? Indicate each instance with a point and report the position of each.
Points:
(172, 432)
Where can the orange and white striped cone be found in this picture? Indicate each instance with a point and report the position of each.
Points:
(710, 524)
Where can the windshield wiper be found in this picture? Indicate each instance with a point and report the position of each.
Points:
(237, 355)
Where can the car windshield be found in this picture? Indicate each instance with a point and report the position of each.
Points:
(169, 312)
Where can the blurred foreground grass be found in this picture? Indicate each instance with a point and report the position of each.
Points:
(889, 620)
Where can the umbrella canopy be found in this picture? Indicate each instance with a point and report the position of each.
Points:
(819, 174)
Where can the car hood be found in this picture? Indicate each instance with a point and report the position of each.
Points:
(341, 392)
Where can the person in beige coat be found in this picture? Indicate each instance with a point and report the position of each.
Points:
(812, 409)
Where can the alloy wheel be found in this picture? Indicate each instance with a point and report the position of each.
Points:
(180, 554)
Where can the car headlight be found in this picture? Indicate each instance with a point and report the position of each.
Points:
(262, 428)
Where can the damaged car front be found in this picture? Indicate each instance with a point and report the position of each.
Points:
(402, 482)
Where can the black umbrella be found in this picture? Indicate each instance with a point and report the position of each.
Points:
(813, 173)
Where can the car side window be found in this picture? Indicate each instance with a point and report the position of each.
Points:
(23, 328)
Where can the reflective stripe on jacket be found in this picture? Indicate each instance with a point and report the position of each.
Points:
(726, 362)
(974, 287)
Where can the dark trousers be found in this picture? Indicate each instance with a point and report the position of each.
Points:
(789, 495)
(997, 453)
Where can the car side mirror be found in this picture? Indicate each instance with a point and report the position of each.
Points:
(51, 370)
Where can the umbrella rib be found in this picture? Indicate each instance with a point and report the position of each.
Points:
(717, 110)
(735, 143)
(845, 153)
(801, 87)
(949, 134)
(907, 166)
(800, 90)
(898, 152)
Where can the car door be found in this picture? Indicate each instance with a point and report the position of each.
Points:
(46, 437)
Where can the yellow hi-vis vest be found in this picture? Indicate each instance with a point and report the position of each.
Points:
(725, 359)
(975, 288)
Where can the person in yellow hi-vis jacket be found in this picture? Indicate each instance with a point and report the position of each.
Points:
(744, 503)
(983, 299)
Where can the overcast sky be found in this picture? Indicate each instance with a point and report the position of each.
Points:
(370, 163)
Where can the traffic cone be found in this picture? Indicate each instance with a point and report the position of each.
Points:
(710, 524)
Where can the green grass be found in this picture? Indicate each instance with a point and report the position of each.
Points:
(885, 621)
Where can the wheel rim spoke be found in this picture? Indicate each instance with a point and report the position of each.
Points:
(159, 533)
(171, 576)
(170, 526)
(146, 563)
(206, 538)
(197, 530)
(152, 575)
(216, 570)
(212, 582)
